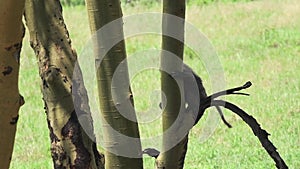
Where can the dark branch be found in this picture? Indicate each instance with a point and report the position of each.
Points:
(257, 130)
(222, 117)
(152, 152)
(209, 99)
(229, 91)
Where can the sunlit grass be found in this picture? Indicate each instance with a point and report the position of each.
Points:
(257, 41)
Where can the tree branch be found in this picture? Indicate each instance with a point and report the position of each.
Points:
(257, 130)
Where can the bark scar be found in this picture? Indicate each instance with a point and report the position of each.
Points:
(21, 100)
(7, 70)
(14, 120)
(16, 46)
(8, 48)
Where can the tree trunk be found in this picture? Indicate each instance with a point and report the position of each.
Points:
(121, 133)
(11, 36)
(71, 146)
(174, 138)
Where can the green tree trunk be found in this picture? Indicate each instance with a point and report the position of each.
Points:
(123, 148)
(174, 142)
(71, 147)
(11, 36)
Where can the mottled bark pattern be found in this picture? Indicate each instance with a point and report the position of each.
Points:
(71, 147)
(71, 131)
(11, 36)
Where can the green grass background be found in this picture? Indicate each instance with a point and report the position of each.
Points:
(257, 41)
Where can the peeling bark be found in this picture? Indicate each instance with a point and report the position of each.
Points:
(71, 146)
(11, 36)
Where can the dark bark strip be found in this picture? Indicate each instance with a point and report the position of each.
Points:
(71, 131)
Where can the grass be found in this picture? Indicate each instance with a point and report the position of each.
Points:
(257, 41)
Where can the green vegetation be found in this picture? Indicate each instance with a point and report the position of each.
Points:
(257, 41)
(151, 3)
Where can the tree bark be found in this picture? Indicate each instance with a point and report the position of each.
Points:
(11, 36)
(71, 146)
(116, 98)
(174, 144)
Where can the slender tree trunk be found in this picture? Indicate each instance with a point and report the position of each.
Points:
(123, 148)
(11, 36)
(71, 146)
(174, 142)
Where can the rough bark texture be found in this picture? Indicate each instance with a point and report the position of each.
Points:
(11, 36)
(71, 147)
(114, 97)
(172, 158)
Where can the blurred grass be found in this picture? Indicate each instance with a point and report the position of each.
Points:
(257, 41)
